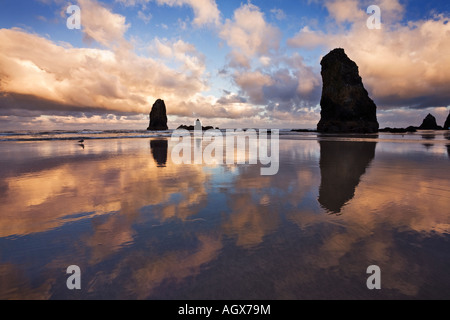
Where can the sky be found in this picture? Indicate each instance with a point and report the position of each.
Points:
(233, 64)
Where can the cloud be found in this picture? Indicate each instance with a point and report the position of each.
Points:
(144, 17)
(94, 78)
(263, 74)
(231, 98)
(101, 25)
(249, 35)
(206, 12)
(344, 10)
(401, 64)
(253, 83)
(279, 14)
(180, 51)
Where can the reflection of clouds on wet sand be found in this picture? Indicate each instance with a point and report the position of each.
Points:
(16, 285)
(77, 189)
(107, 191)
(173, 266)
(388, 203)
(149, 228)
(249, 221)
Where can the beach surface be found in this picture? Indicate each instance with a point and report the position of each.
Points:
(142, 227)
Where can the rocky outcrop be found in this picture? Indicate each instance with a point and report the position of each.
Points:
(158, 117)
(198, 127)
(447, 123)
(192, 128)
(399, 130)
(346, 105)
(429, 123)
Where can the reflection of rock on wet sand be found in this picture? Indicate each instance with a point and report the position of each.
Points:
(447, 136)
(159, 152)
(341, 165)
(428, 136)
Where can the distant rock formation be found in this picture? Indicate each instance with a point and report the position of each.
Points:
(346, 105)
(447, 123)
(303, 130)
(198, 126)
(158, 117)
(192, 128)
(399, 130)
(429, 123)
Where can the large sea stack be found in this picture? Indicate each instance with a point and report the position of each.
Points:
(346, 105)
(447, 123)
(158, 117)
(429, 123)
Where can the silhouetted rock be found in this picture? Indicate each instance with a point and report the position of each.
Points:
(398, 130)
(158, 117)
(192, 128)
(303, 130)
(447, 123)
(429, 123)
(342, 164)
(346, 105)
(159, 151)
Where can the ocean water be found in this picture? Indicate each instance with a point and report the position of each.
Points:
(140, 226)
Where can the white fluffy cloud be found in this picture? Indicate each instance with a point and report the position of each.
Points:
(249, 35)
(113, 79)
(102, 25)
(402, 64)
(344, 10)
(97, 78)
(262, 73)
(205, 11)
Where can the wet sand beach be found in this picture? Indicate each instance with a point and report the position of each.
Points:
(141, 227)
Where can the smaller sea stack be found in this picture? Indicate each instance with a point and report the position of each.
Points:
(158, 117)
(429, 123)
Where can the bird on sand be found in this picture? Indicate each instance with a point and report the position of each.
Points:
(81, 141)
